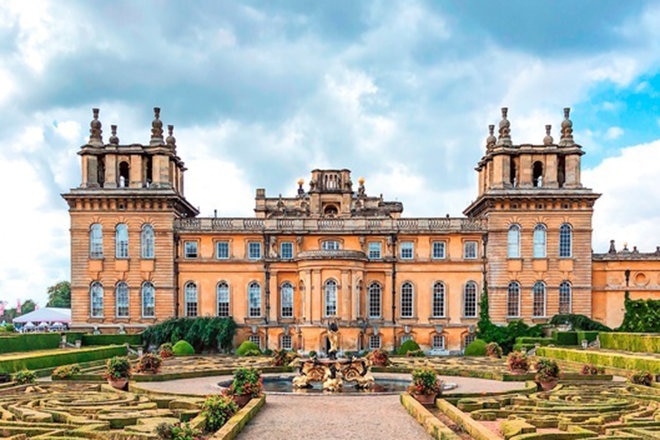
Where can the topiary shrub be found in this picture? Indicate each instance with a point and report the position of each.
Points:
(217, 410)
(183, 348)
(248, 348)
(149, 363)
(165, 350)
(476, 348)
(66, 371)
(409, 345)
(416, 353)
(24, 377)
(493, 350)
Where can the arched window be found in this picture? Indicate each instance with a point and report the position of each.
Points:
(222, 292)
(565, 298)
(148, 300)
(374, 307)
(254, 300)
(538, 292)
(96, 241)
(513, 172)
(122, 178)
(438, 302)
(513, 299)
(330, 298)
(513, 241)
(147, 241)
(286, 300)
(565, 240)
(121, 241)
(470, 300)
(537, 174)
(407, 300)
(121, 300)
(191, 299)
(561, 171)
(96, 300)
(539, 241)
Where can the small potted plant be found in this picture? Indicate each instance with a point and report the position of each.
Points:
(247, 384)
(642, 378)
(517, 362)
(165, 350)
(591, 370)
(149, 363)
(493, 350)
(118, 371)
(379, 357)
(425, 386)
(547, 374)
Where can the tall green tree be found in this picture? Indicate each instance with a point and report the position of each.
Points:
(59, 295)
(28, 306)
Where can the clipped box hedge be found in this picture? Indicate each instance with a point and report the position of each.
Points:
(19, 342)
(528, 340)
(66, 357)
(638, 342)
(91, 340)
(588, 335)
(565, 338)
(603, 359)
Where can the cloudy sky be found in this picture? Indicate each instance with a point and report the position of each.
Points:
(261, 92)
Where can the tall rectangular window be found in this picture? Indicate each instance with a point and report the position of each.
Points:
(470, 250)
(375, 250)
(254, 250)
(374, 342)
(438, 250)
(121, 241)
(190, 249)
(96, 241)
(470, 300)
(222, 250)
(287, 343)
(407, 250)
(286, 250)
(256, 339)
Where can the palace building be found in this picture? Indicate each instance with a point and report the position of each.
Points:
(140, 254)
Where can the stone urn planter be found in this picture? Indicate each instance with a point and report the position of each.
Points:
(241, 399)
(425, 399)
(548, 384)
(119, 384)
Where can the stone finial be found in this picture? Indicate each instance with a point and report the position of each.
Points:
(95, 131)
(505, 131)
(612, 248)
(491, 140)
(171, 140)
(548, 140)
(301, 190)
(114, 140)
(156, 128)
(566, 129)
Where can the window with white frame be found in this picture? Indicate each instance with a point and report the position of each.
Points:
(190, 249)
(469, 339)
(330, 289)
(254, 250)
(565, 240)
(470, 300)
(147, 241)
(330, 245)
(96, 241)
(406, 338)
(374, 342)
(407, 300)
(222, 292)
(121, 300)
(286, 342)
(438, 302)
(513, 299)
(96, 300)
(470, 250)
(539, 241)
(374, 307)
(513, 242)
(538, 301)
(222, 250)
(565, 298)
(256, 339)
(286, 250)
(286, 300)
(438, 342)
(121, 241)
(190, 305)
(148, 300)
(375, 250)
(438, 250)
(254, 300)
(406, 250)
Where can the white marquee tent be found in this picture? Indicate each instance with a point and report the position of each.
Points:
(48, 315)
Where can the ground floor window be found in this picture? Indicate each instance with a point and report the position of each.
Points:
(438, 342)
(256, 339)
(374, 342)
(469, 338)
(286, 342)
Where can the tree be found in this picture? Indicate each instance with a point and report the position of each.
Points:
(59, 295)
(28, 306)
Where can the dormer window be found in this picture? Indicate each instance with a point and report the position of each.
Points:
(330, 245)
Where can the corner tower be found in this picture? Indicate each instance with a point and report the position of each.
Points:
(122, 229)
(539, 225)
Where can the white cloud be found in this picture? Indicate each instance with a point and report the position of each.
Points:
(613, 133)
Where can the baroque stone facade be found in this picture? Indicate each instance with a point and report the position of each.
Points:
(332, 253)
